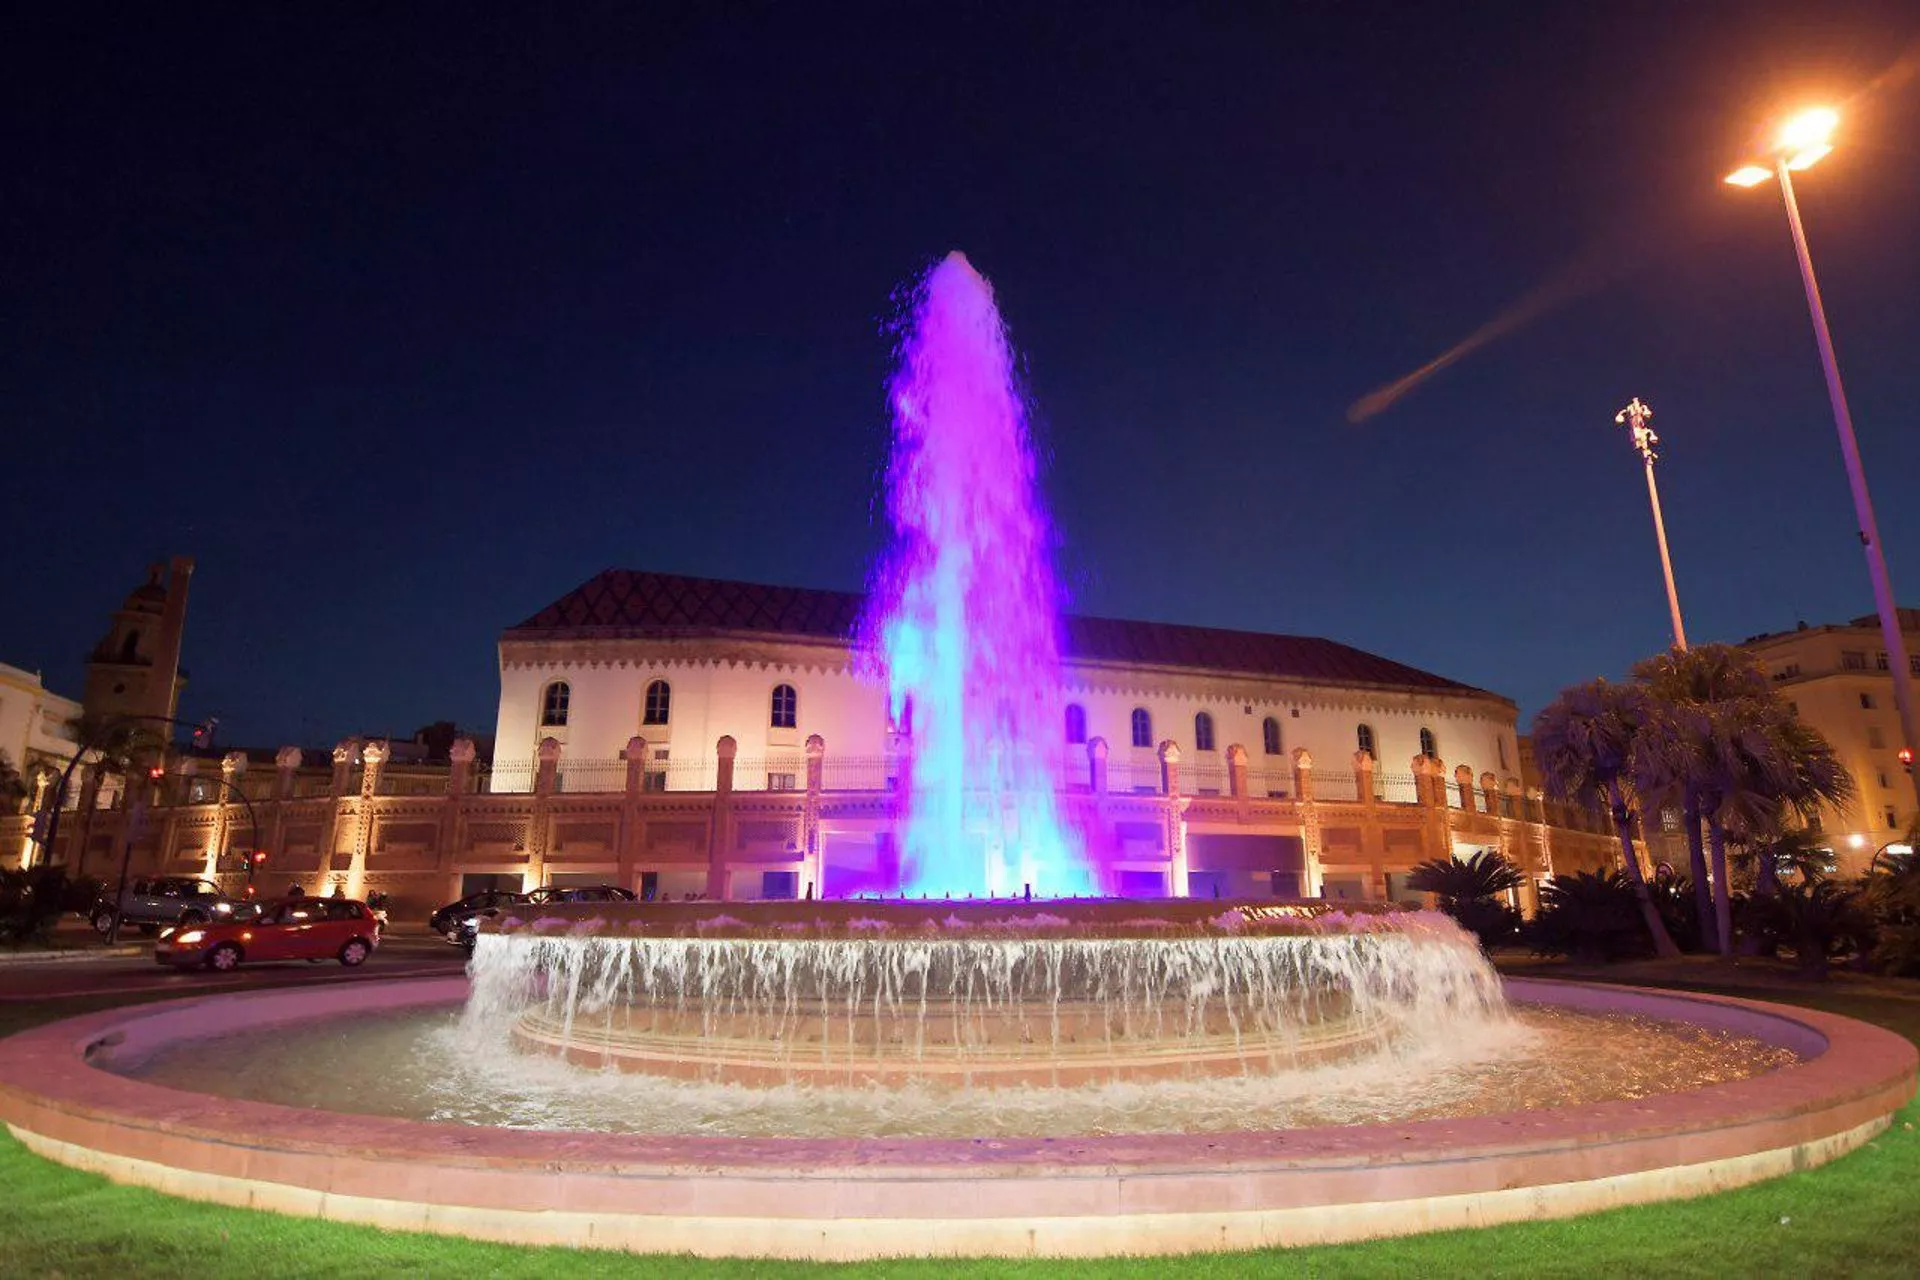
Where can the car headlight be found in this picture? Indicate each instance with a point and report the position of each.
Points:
(224, 908)
(190, 937)
(166, 933)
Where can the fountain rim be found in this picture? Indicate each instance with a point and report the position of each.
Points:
(852, 1198)
(38, 1068)
(985, 919)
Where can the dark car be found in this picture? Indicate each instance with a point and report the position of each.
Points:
(459, 922)
(152, 901)
(453, 919)
(581, 893)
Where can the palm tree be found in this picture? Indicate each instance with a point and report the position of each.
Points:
(1689, 751)
(1583, 741)
(1484, 875)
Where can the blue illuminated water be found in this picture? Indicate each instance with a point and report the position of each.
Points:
(963, 618)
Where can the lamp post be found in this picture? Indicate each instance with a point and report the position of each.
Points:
(1802, 142)
(1637, 413)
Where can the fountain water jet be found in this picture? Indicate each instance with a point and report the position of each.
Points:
(963, 619)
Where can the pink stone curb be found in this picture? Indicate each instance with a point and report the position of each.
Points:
(847, 1198)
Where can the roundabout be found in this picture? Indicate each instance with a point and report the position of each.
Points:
(868, 1197)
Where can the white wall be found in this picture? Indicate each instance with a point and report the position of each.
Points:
(715, 696)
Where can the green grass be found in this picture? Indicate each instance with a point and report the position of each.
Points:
(1854, 1217)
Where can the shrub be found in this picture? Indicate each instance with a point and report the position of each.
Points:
(31, 903)
(1589, 916)
(1472, 891)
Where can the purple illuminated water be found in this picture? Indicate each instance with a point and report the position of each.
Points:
(963, 619)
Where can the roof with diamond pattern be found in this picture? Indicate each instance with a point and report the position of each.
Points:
(626, 603)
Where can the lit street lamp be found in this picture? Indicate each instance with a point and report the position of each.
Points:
(1644, 439)
(1802, 141)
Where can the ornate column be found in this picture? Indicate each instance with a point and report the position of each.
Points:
(233, 775)
(811, 843)
(720, 828)
(460, 767)
(631, 837)
(286, 764)
(344, 755)
(1237, 773)
(540, 822)
(373, 761)
(1490, 790)
(1373, 844)
(1174, 806)
(1463, 779)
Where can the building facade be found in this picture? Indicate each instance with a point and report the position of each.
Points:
(1839, 680)
(685, 737)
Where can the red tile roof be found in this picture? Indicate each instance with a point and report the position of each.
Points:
(621, 603)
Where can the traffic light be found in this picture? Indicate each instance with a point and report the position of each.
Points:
(258, 857)
(1906, 759)
(156, 773)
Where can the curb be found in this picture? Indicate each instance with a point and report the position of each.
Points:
(68, 957)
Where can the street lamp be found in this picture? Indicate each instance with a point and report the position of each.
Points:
(1637, 413)
(1801, 143)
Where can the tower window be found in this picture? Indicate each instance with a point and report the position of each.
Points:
(1076, 724)
(1270, 736)
(1866, 702)
(1142, 728)
(1428, 746)
(553, 704)
(130, 648)
(1364, 737)
(659, 703)
(1203, 732)
(786, 707)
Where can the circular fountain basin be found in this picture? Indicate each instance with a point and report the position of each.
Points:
(861, 1197)
(975, 995)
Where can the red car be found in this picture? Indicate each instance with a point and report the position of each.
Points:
(311, 929)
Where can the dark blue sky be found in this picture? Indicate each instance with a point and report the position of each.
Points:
(404, 320)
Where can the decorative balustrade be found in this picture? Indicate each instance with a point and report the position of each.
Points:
(1339, 785)
(1270, 784)
(589, 775)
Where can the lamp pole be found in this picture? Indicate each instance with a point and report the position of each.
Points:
(1637, 414)
(1883, 598)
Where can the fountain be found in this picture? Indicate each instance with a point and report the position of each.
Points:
(963, 614)
(858, 1078)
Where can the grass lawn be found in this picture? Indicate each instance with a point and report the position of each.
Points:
(1855, 1217)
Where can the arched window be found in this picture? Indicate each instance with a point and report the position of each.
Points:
(1142, 728)
(659, 703)
(1365, 739)
(1428, 747)
(786, 707)
(1203, 732)
(553, 704)
(1076, 724)
(1270, 736)
(130, 650)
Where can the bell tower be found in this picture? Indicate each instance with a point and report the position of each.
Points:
(135, 669)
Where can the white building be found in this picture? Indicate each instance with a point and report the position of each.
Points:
(685, 663)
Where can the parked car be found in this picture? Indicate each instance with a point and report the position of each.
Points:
(457, 920)
(312, 929)
(156, 900)
(581, 893)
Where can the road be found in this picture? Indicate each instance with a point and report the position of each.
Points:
(404, 956)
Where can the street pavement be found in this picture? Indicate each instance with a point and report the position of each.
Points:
(399, 956)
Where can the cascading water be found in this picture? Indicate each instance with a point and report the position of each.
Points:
(982, 996)
(963, 621)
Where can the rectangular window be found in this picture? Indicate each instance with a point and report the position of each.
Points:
(1882, 775)
(1893, 820)
(654, 780)
(1853, 659)
(1866, 702)
(1874, 737)
(780, 782)
(1880, 662)
(1913, 664)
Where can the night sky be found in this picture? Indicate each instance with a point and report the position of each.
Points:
(404, 320)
